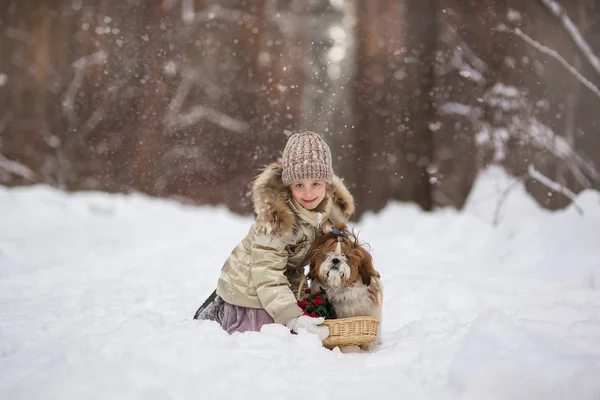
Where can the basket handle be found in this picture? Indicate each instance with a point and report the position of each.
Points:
(303, 281)
(300, 286)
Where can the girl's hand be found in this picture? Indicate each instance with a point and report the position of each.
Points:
(310, 324)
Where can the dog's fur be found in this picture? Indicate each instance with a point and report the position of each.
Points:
(344, 269)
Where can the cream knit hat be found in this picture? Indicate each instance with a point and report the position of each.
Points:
(306, 156)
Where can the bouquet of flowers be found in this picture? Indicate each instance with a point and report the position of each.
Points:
(315, 304)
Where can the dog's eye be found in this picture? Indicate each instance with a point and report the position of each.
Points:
(341, 257)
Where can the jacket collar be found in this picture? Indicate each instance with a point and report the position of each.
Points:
(315, 217)
(273, 203)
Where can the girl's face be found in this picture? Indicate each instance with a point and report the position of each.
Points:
(309, 193)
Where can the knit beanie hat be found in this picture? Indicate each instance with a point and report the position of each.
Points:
(306, 156)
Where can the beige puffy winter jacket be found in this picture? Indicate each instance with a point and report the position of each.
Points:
(265, 268)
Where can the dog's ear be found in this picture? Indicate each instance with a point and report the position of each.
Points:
(316, 253)
(312, 273)
(365, 268)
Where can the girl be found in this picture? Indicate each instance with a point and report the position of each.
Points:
(295, 200)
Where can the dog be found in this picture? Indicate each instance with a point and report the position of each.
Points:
(344, 269)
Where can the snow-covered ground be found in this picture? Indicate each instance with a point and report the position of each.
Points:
(97, 292)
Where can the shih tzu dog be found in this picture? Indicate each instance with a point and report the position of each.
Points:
(344, 269)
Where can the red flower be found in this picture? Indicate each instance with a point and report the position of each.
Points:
(315, 305)
(307, 290)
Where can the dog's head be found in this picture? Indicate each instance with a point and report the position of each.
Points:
(338, 260)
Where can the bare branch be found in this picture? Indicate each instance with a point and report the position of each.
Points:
(80, 65)
(473, 67)
(275, 17)
(199, 112)
(100, 112)
(190, 16)
(168, 4)
(557, 187)
(69, 101)
(552, 53)
(16, 168)
(503, 198)
(175, 119)
(187, 11)
(454, 108)
(98, 57)
(559, 12)
(543, 137)
(538, 176)
(20, 35)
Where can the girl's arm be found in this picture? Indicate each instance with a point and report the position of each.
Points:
(269, 261)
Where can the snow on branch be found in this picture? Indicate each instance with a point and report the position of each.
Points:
(190, 16)
(532, 131)
(452, 38)
(20, 35)
(463, 58)
(99, 113)
(536, 175)
(559, 12)
(544, 138)
(80, 65)
(464, 110)
(512, 120)
(552, 53)
(274, 16)
(187, 11)
(199, 112)
(176, 120)
(16, 168)
(557, 187)
(98, 57)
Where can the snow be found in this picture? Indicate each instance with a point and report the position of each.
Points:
(505, 97)
(513, 15)
(97, 292)
(453, 108)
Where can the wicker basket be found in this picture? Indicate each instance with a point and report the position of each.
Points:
(349, 331)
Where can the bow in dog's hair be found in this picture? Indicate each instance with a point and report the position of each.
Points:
(337, 232)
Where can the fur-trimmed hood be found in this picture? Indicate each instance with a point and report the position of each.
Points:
(271, 200)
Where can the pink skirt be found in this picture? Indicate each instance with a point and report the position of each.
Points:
(243, 319)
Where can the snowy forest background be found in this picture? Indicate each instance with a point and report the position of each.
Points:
(187, 99)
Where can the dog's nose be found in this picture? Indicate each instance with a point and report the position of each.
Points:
(335, 261)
